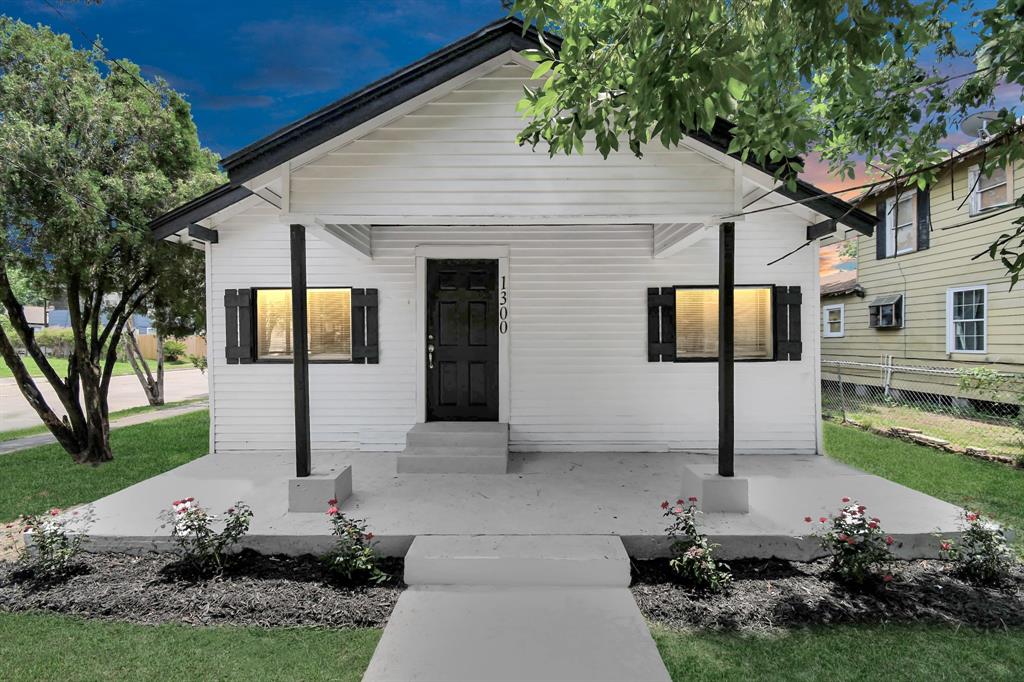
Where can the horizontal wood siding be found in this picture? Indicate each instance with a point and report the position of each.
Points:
(923, 278)
(580, 379)
(457, 156)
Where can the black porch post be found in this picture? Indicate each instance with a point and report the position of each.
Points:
(299, 350)
(726, 347)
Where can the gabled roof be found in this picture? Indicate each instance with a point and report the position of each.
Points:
(413, 80)
(842, 287)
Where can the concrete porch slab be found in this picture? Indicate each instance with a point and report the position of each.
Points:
(543, 494)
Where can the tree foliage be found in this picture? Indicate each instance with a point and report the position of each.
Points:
(844, 79)
(89, 153)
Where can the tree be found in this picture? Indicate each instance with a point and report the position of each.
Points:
(89, 153)
(840, 78)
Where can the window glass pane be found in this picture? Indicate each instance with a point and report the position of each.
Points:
(834, 315)
(992, 190)
(885, 314)
(998, 177)
(697, 323)
(905, 215)
(905, 238)
(993, 197)
(274, 323)
(330, 324)
(329, 317)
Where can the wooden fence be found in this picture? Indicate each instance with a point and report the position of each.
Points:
(194, 345)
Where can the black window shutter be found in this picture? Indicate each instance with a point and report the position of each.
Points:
(880, 230)
(924, 219)
(787, 300)
(365, 348)
(661, 324)
(238, 317)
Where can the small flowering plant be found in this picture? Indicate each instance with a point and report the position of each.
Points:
(352, 558)
(861, 554)
(693, 556)
(199, 545)
(53, 541)
(982, 555)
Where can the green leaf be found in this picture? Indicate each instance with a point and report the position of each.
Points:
(737, 88)
(541, 69)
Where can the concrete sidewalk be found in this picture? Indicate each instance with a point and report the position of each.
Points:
(7, 447)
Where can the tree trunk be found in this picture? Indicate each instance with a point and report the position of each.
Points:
(160, 368)
(153, 388)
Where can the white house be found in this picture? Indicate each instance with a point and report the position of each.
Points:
(454, 277)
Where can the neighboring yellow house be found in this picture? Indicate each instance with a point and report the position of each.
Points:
(916, 296)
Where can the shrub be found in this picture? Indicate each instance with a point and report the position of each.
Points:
(56, 341)
(693, 556)
(860, 550)
(352, 558)
(199, 362)
(173, 350)
(199, 545)
(982, 555)
(54, 541)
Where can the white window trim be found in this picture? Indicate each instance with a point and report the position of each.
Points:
(974, 187)
(951, 326)
(890, 223)
(841, 307)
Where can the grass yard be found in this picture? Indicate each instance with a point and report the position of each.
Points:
(843, 653)
(43, 477)
(34, 430)
(60, 365)
(44, 647)
(996, 490)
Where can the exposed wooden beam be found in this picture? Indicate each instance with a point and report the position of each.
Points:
(299, 351)
(726, 348)
(352, 240)
(203, 234)
(672, 238)
(821, 229)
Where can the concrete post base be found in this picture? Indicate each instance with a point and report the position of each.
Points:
(311, 493)
(716, 493)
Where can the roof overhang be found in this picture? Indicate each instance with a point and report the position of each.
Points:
(416, 79)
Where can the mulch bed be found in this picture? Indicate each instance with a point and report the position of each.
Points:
(257, 590)
(774, 595)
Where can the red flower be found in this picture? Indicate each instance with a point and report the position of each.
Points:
(54, 511)
(846, 499)
(889, 540)
(369, 536)
(692, 498)
(887, 578)
(875, 519)
(849, 541)
(332, 511)
(231, 510)
(175, 503)
(664, 505)
(872, 525)
(971, 516)
(807, 519)
(679, 501)
(190, 499)
(822, 519)
(843, 537)
(861, 508)
(677, 510)
(945, 546)
(333, 501)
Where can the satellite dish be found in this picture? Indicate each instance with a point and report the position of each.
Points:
(976, 125)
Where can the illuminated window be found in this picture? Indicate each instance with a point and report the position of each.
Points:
(697, 323)
(329, 314)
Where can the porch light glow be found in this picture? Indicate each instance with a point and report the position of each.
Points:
(330, 324)
(697, 323)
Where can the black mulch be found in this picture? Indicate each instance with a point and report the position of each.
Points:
(257, 590)
(769, 595)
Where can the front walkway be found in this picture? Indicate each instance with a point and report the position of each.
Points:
(543, 494)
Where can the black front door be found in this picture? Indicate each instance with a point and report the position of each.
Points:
(462, 340)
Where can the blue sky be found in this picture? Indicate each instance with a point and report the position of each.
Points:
(249, 67)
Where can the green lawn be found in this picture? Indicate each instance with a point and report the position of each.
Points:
(842, 653)
(60, 365)
(33, 430)
(995, 490)
(43, 647)
(39, 478)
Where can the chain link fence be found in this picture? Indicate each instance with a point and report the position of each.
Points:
(978, 410)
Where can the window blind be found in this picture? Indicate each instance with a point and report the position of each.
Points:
(697, 323)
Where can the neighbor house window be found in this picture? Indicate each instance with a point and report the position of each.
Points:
(901, 224)
(966, 316)
(833, 320)
(697, 323)
(329, 314)
(987, 192)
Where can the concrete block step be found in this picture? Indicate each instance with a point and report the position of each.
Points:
(476, 463)
(517, 560)
(458, 434)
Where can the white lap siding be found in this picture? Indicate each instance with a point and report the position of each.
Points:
(580, 379)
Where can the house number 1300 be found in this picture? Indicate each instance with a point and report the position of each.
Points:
(503, 308)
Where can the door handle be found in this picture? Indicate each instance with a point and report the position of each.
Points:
(430, 355)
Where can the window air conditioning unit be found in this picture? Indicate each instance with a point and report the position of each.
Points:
(886, 312)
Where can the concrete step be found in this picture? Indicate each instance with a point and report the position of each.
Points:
(489, 634)
(452, 461)
(517, 560)
(458, 434)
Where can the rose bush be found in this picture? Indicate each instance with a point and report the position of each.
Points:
(860, 550)
(199, 545)
(692, 554)
(53, 541)
(352, 558)
(982, 554)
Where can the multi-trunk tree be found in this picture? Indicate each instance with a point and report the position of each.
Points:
(89, 153)
(883, 81)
